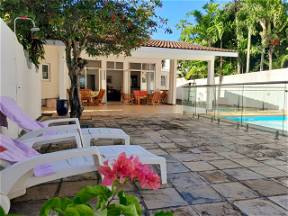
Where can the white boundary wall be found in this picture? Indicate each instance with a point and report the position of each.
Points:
(19, 78)
(252, 98)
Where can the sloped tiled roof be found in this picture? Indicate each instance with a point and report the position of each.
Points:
(181, 45)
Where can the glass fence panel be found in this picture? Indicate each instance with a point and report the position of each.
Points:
(228, 101)
(264, 106)
(258, 105)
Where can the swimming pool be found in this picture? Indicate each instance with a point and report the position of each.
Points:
(275, 122)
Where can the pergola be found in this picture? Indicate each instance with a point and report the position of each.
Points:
(153, 51)
(176, 50)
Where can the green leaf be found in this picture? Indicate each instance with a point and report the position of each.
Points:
(100, 192)
(55, 204)
(2, 213)
(101, 212)
(162, 213)
(126, 200)
(84, 210)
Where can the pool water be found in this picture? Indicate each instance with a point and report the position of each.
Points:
(275, 122)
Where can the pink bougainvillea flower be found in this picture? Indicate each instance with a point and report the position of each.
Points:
(108, 173)
(129, 168)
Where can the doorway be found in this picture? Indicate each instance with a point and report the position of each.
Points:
(135, 80)
(114, 85)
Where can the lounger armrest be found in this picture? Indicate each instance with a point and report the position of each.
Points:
(9, 176)
(53, 130)
(64, 120)
(50, 139)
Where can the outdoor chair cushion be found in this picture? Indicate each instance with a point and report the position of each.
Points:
(12, 111)
(15, 151)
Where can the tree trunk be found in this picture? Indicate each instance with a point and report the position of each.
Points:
(221, 58)
(270, 55)
(238, 65)
(262, 59)
(74, 96)
(248, 51)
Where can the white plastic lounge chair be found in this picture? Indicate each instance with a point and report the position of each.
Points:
(15, 179)
(9, 108)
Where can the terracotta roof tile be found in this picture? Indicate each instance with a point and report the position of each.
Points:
(181, 45)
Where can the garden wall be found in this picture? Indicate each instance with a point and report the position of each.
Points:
(19, 77)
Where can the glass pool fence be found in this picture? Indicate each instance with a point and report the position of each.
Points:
(261, 105)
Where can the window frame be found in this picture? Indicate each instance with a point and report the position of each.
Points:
(48, 72)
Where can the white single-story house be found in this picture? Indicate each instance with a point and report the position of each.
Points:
(153, 66)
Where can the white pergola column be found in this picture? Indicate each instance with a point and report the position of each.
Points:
(103, 75)
(172, 82)
(126, 78)
(210, 81)
(158, 71)
(61, 68)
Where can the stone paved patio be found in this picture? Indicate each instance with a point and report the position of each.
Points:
(212, 169)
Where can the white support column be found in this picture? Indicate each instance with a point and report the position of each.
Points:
(210, 81)
(126, 78)
(103, 78)
(157, 77)
(172, 82)
(61, 70)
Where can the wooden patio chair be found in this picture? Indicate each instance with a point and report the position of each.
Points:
(155, 99)
(98, 99)
(164, 97)
(86, 97)
(127, 98)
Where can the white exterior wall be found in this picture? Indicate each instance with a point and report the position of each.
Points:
(52, 88)
(19, 78)
(274, 99)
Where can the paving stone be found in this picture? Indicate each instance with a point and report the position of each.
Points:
(216, 209)
(44, 191)
(186, 157)
(71, 188)
(283, 168)
(162, 198)
(184, 180)
(247, 162)
(209, 156)
(180, 211)
(274, 162)
(266, 187)
(231, 155)
(85, 176)
(242, 174)
(280, 200)
(282, 180)
(167, 145)
(224, 164)
(269, 171)
(215, 176)
(234, 191)
(176, 168)
(199, 166)
(158, 151)
(199, 195)
(260, 207)
(31, 208)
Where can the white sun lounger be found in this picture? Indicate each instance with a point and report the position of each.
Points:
(66, 132)
(16, 178)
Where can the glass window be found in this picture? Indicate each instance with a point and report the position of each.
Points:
(119, 65)
(94, 64)
(150, 67)
(110, 64)
(136, 66)
(45, 72)
(82, 82)
(163, 80)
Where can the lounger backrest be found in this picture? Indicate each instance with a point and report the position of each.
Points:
(12, 111)
(16, 151)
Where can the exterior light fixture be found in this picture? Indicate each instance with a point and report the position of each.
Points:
(33, 29)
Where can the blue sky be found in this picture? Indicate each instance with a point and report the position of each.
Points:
(174, 11)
